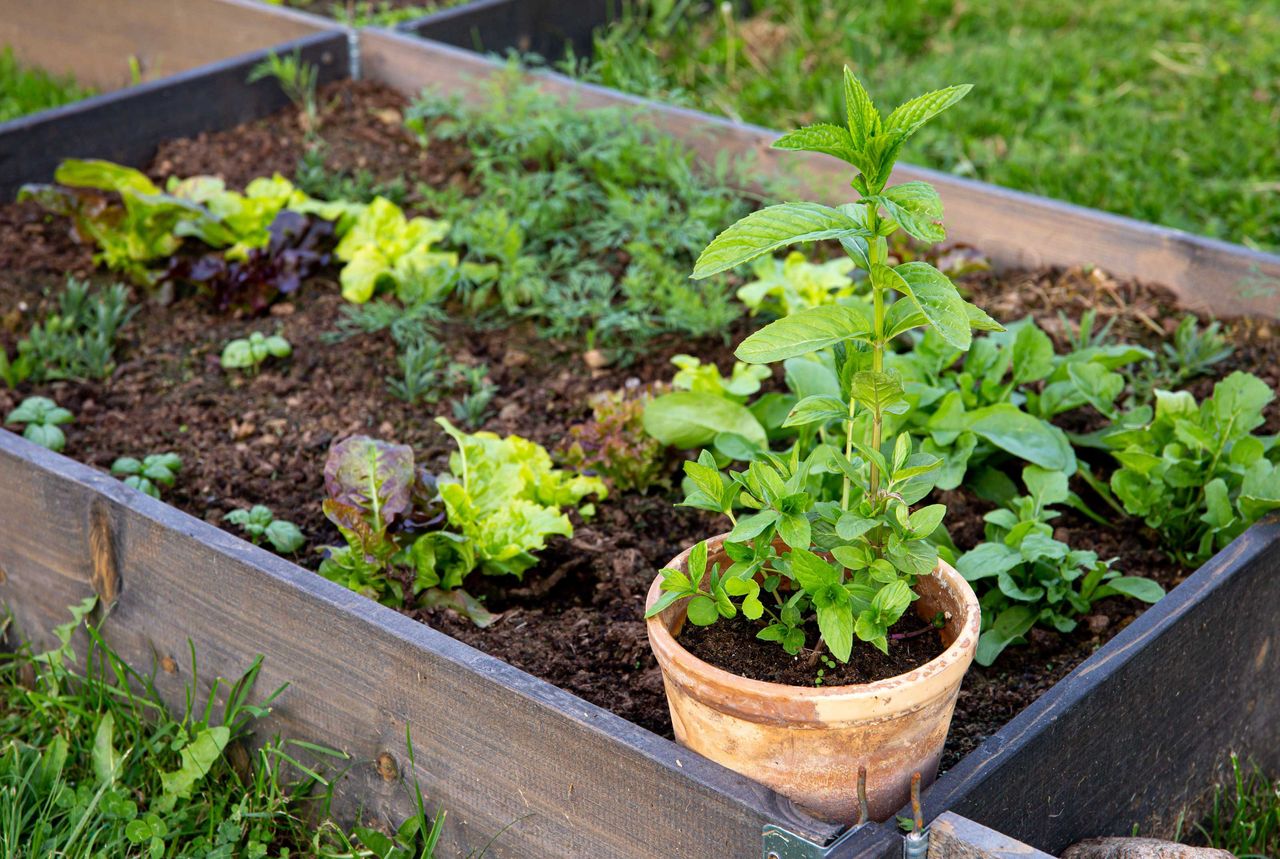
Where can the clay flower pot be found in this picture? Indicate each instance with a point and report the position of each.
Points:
(807, 743)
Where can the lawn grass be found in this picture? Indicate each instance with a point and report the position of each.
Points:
(25, 90)
(1245, 819)
(1164, 110)
(92, 765)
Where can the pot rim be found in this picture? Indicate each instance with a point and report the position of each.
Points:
(885, 694)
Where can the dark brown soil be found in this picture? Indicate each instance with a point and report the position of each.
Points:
(733, 646)
(577, 619)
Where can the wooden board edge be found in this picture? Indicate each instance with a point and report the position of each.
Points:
(686, 771)
(1017, 229)
(954, 837)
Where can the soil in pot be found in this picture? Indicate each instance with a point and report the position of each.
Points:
(577, 619)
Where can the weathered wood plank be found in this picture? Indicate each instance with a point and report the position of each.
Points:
(126, 126)
(1013, 228)
(954, 837)
(101, 42)
(1142, 728)
(495, 746)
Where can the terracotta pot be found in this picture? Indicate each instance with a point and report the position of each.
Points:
(807, 743)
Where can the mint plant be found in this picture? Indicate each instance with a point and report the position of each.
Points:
(250, 353)
(42, 420)
(259, 523)
(149, 474)
(1038, 579)
(1196, 474)
(871, 546)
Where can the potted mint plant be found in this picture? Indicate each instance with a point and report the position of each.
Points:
(820, 567)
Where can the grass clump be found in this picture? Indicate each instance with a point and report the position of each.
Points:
(26, 90)
(1245, 819)
(92, 764)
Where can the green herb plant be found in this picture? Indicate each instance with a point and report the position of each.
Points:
(1197, 474)
(42, 420)
(77, 342)
(259, 523)
(1038, 579)
(26, 90)
(298, 81)
(871, 546)
(149, 474)
(250, 353)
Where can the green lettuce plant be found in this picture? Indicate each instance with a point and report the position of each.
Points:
(42, 420)
(1032, 578)
(492, 511)
(1197, 474)
(382, 246)
(871, 547)
(614, 444)
(783, 286)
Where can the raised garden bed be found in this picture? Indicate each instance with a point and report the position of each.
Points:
(315, 626)
(149, 60)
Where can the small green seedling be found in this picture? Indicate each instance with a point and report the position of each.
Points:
(42, 417)
(249, 353)
(261, 524)
(156, 470)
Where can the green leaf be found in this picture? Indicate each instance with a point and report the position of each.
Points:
(909, 116)
(816, 410)
(851, 526)
(879, 392)
(46, 435)
(1032, 354)
(937, 298)
(692, 419)
(811, 572)
(284, 536)
(106, 760)
(927, 519)
(803, 332)
(702, 611)
(822, 137)
(1133, 586)
(1010, 624)
(1009, 428)
(795, 530)
(752, 526)
(198, 757)
(987, 559)
(863, 118)
(768, 229)
(891, 601)
(916, 207)
(835, 622)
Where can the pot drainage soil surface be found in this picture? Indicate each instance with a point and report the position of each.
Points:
(576, 620)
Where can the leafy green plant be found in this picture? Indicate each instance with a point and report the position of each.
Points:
(298, 82)
(382, 246)
(1192, 353)
(28, 90)
(423, 372)
(875, 546)
(583, 221)
(492, 511)
(478, 393)
(783, 286)
(149, 474)
(42, 420)
(998, 401)
(261, 524)
(314, 179)
(614, 443)
(250, 353)
(1245, 817)
(1196, 474)
(77, 342)
(1038, 579)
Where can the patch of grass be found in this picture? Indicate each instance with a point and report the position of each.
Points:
(1245, 819)
(92, 764)
(1164, 110)
(25, 90)
(368, 13)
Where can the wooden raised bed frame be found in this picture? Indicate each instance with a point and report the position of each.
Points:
(193, 55)
(501, 750)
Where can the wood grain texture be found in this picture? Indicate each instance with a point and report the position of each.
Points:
(1142, 728)
(1013, 228)
(99, 41)
(126, 126)
(495, 747)
(954, 837)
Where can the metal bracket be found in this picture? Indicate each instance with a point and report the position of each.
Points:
(915, 844)
(779, 843)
